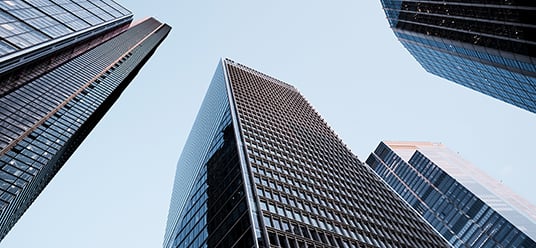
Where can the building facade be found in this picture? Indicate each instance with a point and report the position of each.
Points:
(62, 66)
(467, 207)
(486, 45)
(261, 168)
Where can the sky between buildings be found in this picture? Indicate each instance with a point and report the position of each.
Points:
(115, 190)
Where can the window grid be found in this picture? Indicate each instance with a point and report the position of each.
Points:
(305, 176)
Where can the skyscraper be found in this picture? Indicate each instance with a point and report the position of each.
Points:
(486, 45)
(63, 64)
(261, 168)
(461, 202)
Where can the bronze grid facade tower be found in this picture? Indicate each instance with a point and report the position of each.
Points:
(295, 182)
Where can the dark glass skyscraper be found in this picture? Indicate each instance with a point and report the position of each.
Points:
(261, 168)
(486, 45)
(461, 202)
(63, 64)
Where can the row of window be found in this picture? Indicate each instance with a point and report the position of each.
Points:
(310, 170)
(417, 13)
(30, 72)
(289, 179)
(193, 220)
(475, 52)
(280, 234)
(513, 15)
(22, 108)
(441, 58)
(51, 20)
(30, 155)
(518, 90)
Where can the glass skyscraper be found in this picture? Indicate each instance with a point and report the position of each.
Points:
(486, 45)
(63, 63)
(261, 168)
(469, 208)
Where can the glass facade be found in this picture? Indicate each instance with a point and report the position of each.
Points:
(208, 197)
(26, 23)
(296, 184)
(488, 46)
(46, 116)
(38, 35)
(463, 204)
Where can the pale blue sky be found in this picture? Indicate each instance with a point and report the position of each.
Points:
(115, 190)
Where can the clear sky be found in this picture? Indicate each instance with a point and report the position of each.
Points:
(115, 190)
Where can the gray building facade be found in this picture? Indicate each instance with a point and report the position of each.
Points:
(467, 207)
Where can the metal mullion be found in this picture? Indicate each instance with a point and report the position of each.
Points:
(25, 23)
(99, 7)
(112, 7)
(73, 14)
(10, 43)
(46, 14)
(84, 8)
